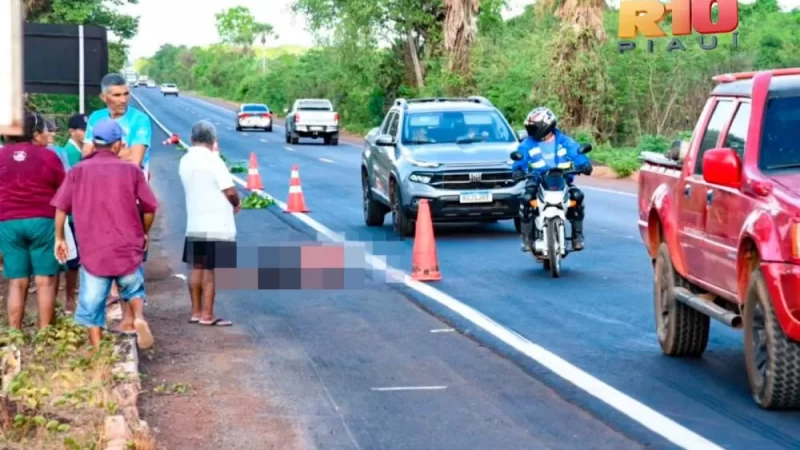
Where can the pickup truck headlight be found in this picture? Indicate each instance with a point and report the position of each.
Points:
(427, 165)
(420, 178)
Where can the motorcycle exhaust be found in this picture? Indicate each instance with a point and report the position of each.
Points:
(707, 307)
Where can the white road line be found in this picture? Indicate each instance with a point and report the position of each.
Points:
(608, 191)
(443, 330)
(179, 275)
(290, 149)
(409, 388)
(264, 141)
(634, 409)
(327, 160)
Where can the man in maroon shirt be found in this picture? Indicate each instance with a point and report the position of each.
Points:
(102, 193)
(30, 175)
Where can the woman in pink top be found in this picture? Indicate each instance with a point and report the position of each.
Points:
(30, 175)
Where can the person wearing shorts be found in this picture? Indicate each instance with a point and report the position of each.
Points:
(30, 174)
(73, 148)
(114, 209)
(211, 202)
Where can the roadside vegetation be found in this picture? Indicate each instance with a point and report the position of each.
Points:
(561, 53)
(55, 392)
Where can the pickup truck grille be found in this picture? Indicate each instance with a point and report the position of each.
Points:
(494, 179)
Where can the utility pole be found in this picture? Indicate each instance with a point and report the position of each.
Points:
(264, 53)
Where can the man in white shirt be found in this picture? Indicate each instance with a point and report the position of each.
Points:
(211, 202)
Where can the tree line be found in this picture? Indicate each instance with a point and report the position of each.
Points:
(559, 53)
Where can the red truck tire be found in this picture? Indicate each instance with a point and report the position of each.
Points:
(777, 386)
(681, 330)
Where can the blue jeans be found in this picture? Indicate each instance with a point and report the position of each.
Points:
(94, 291)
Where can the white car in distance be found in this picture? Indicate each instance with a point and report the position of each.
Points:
(169, 89)
(254, 115)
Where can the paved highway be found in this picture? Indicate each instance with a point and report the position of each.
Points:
(598, 315)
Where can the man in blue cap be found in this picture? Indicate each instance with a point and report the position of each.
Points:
(115, 93)
(114, 209)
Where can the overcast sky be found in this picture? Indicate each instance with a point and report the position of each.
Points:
(192, 22)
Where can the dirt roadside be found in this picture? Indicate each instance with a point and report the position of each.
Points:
(194, 394)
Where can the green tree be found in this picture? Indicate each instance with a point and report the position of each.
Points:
(370, 52)
(237, 26)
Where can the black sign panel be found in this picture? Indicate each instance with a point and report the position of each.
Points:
(51, 55)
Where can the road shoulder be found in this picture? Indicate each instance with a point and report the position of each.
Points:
(195, 391)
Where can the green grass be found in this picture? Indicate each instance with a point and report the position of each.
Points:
(622, 160)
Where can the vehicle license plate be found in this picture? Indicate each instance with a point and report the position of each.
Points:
(317, 128)
(476, 197)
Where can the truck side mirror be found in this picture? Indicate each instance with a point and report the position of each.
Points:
(722, 166)
(516, 156)
(384, 140)
(585, 148)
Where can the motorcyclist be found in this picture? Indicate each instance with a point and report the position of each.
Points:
(546, 147)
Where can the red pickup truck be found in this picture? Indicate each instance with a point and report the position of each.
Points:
(720, 217)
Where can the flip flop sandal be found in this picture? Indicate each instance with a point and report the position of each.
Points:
(217, 323)
(144, 336)
(194, 320)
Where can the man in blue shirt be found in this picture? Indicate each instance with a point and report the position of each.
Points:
(136, 124)
(138, 133)
(545, 148)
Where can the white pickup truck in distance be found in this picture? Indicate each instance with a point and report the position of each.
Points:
(312, 118)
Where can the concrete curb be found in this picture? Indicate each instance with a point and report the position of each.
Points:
(118, 429)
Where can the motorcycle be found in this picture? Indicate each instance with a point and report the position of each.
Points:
(552, 202)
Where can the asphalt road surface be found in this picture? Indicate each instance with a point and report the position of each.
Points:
(598, 316)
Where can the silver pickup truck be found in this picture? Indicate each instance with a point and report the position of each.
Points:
(312, 118)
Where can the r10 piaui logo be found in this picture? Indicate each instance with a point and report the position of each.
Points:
(644, 16)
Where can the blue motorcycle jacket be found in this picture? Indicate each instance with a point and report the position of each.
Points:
(566, 151)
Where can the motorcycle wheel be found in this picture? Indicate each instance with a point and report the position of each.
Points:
(553, 252)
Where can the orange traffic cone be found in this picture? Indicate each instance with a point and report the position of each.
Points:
(174, 139)
(297, 201)
(253, 177)
(425, 263)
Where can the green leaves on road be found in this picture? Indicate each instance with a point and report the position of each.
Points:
(256, 201)
(238, 168)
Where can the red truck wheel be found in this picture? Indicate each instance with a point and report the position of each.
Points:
(681, 330)
(772, 359)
